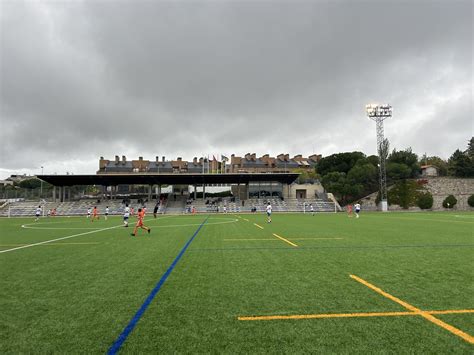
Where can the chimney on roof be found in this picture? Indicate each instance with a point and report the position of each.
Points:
(287, 157)
(157, 159)
(195, 160)
(254, 156)
(101, 158)
(315, 157)
(248, 156)
(117, 159)
(140, 158)
(124, 159)
(201, 161)
(163, 159)
(180, 159)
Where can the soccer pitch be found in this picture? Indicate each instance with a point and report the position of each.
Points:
(394, 282)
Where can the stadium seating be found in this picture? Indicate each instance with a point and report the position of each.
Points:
(182, 204)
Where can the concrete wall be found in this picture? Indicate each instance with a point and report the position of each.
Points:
(311, 190)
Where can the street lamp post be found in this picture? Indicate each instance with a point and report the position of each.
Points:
(378, 114)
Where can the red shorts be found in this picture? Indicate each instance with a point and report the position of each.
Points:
(140, 223)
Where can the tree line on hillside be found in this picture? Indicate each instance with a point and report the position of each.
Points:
(352, 175)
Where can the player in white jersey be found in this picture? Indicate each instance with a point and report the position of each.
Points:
(89, 211)
(357, 209)
(269, 213)
(126, 214)
(311, 208)
(38, 213)
(106, 212)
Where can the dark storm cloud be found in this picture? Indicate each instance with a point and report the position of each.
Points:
(85, 79)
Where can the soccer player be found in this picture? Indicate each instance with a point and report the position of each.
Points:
(140, 215)
(38, 213)
(357, 209)
(155, 210)
(269, 213)
(95, 214)
(126, 215)
(349, 210)
(311, 208)
(106, 212)
(225, 209)
(89, 211)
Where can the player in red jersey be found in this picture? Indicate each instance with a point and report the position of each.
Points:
(95, 214)
(349, 210)
(140, 224)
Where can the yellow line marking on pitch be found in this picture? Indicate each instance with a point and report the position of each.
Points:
(240, 239)
(349, 315)
(418, 311)
(316, 238)
(285, 240)
(19, 245)
(257, 225)
(452, 311)
(245, 219)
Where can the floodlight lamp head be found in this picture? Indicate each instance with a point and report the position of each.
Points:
(378, 111)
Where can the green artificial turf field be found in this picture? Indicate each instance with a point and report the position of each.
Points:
(79, 291)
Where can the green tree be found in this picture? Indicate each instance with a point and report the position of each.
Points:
(450, 202)
(470, 148)
(340, 162)
(405, 157)
(470, 201)
(403, 193)
(337, 183)
(460, 165)
(425, 200)
(30, 184)
(398, 171)
(364, 177)
(373, 159)
(306, 176)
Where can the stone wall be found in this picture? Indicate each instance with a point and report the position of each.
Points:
(440, 188)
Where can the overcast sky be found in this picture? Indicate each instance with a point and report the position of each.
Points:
(84, 79)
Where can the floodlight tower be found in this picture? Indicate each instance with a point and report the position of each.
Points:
(380, 113)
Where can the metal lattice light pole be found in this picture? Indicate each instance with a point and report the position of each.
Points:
(41, 189)
(379, 113)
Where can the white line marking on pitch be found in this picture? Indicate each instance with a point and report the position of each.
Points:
(62, 238)
(67, 237)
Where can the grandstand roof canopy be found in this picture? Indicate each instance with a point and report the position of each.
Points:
(165, 179)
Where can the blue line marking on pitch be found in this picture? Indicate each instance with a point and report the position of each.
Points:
(131, 325)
